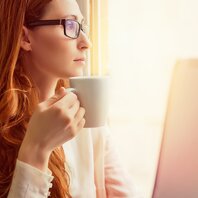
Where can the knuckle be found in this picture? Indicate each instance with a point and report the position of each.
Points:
(72, 130)
(74, 96)
(78, 104)
(82, 110)
(63, 115)
(72, 135)
(54, 98)
(82, 123)
(68, 120)
(58, 111)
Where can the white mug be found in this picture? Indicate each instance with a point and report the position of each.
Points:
(93, 94)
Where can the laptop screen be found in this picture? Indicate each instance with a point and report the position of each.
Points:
(177, 173)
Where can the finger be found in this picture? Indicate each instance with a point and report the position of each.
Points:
(57, 96)
(81, 124)
(67, 101)
(74, 109)
(79, 115)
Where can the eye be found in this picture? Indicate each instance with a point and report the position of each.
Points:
(70, 25)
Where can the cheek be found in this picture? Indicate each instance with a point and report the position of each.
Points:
(53, 50)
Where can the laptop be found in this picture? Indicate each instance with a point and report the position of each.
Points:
(177, 169)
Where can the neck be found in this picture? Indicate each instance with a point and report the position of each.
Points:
(46, 88)
(44, 82)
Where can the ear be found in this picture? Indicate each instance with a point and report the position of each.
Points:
(25, 39)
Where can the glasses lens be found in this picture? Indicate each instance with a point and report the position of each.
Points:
(72, 28)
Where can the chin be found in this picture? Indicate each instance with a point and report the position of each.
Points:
(76, 73)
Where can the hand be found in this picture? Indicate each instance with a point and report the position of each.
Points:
(54, 122)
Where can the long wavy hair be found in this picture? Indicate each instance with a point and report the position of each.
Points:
(19, 96)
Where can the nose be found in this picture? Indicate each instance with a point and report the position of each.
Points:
(84, 42)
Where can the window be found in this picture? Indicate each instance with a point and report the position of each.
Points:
(145, 40)
(138, 44)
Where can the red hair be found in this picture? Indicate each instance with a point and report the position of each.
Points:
(19, 96)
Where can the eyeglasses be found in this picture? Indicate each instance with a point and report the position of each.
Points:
(71, 27)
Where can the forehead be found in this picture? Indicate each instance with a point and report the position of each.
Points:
(61, 9)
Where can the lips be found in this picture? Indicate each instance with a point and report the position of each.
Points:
(80, 59)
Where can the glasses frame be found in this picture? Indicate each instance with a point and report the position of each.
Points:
(62, 22)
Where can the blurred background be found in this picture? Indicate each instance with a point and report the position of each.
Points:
(139, 43)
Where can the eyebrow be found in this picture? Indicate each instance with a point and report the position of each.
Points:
(74, 16)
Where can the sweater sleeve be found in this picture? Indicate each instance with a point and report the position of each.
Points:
(117, 180)
(30, 182)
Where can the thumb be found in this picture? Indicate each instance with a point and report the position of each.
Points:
(57, 96)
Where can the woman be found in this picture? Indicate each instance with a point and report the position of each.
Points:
(44, 149)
